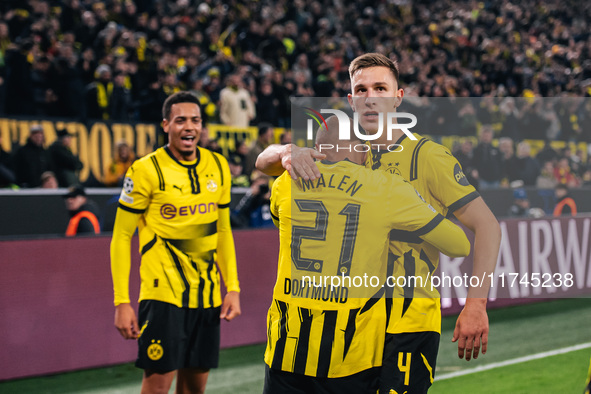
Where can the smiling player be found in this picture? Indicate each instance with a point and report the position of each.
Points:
(178, 197)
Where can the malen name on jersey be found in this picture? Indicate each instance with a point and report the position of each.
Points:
(307, 289)
(338, 182)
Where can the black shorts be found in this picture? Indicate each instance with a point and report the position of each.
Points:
(172, 338)
(409, 362)
(281, 382)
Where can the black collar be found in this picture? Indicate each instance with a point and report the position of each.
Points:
(167, 150)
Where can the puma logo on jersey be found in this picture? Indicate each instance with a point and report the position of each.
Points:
(176, 187)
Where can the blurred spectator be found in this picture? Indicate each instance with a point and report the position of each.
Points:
(122, 160)
(487, 160)
(546, 179)
(520, 205)
(32, 160)
(285, 138)
(508, 160)
(239, 179)
(565, 205)
(465, 156)
(7, 175)
(63, 162)
(43, 90)
(98, 94)
(236, 106)
(242, 151)
(150, 102)
(83, 213)
(208, 107)
(267, 104)
(214, 146)
(48, 180)
(563, 173)
(547, 153)
(120, 102)
(586, 177)
(264, 139)
(511, 118)
(527, 167)
(253, 210)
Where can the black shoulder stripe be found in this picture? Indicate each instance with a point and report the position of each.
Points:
(222, 206)
(429, 226)
(461, 202)
(217, 161)
(414, 162)
(132, 210)
(159, 172)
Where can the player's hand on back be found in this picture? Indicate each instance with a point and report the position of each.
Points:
(126, 321)
(300, 162)
(231, 306)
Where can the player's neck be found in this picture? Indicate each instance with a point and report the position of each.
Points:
(384, 140)
(182, 156)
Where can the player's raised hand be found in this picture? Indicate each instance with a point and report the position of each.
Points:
(299, 162)
(126, 321)
(231, 306)
(471, 331)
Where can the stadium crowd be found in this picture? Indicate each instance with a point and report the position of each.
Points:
(119, 60)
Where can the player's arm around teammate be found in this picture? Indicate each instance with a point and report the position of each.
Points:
(298, 161)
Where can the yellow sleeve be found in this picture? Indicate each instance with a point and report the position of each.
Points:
(137, 188)
(226, 251)
(415, 218)
(276, 195)
(125, 225)
(447, 180)
(448, 238)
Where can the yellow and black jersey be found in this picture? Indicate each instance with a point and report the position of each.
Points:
(438, 177)
(337, 227)
(183, 229)
(588, 386)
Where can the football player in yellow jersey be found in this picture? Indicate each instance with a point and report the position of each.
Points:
(414, 325)
(178, 197)
(329, 337)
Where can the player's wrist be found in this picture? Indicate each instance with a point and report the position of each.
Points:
(476, 302)
(285, 151)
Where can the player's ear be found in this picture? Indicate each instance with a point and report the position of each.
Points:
(350, 99)
(399, 96)
(164, 125)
